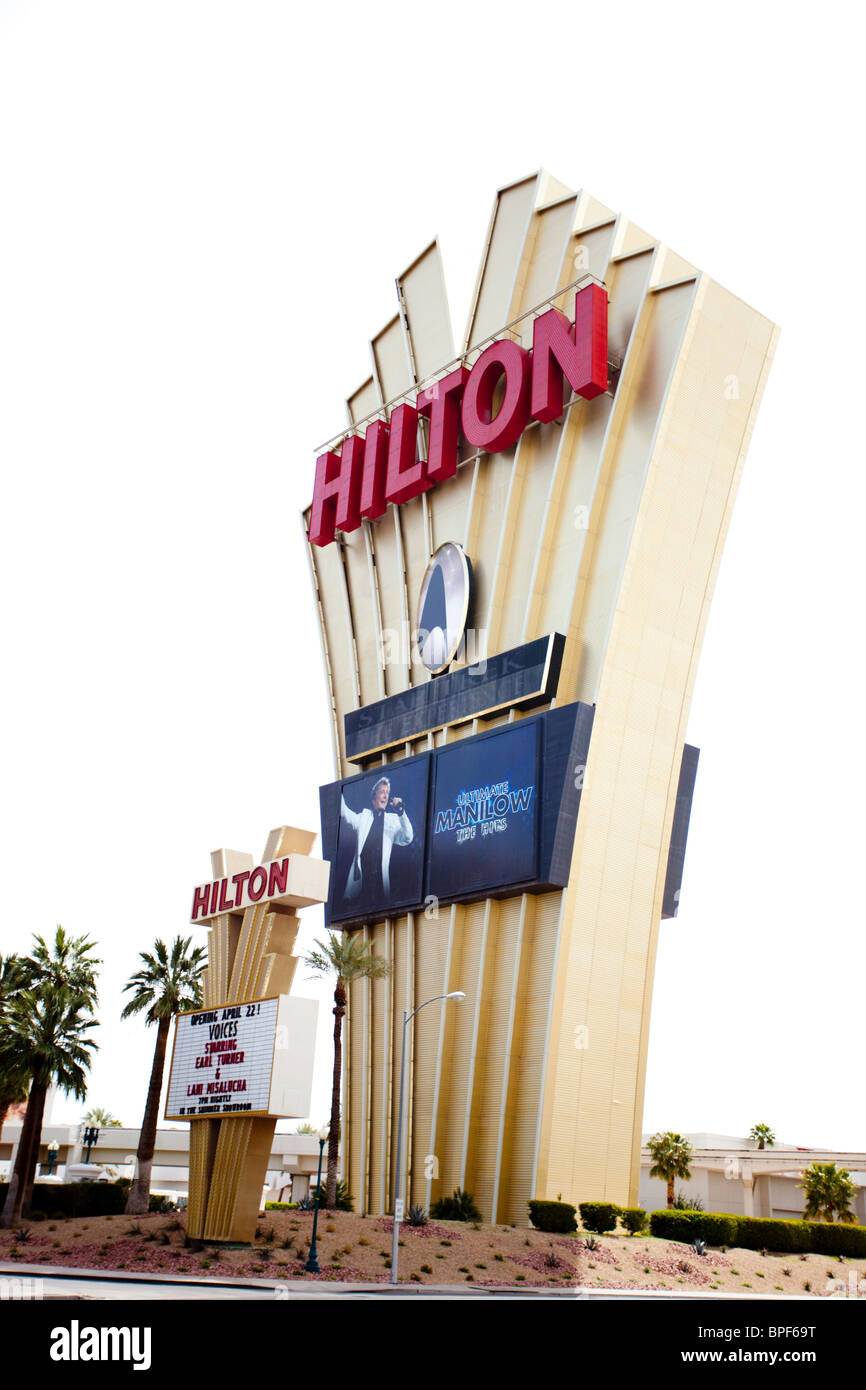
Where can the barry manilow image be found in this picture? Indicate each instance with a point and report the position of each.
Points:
(378, 828)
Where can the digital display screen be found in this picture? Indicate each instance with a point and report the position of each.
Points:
(489, 815)
(380, 842)
(483, 825)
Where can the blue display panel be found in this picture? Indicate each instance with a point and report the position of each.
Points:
(484, 816)
(379, 864)
(483, 831)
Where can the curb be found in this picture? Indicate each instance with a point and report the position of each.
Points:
(583, 1292)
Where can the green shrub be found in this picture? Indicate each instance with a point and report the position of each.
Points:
(633, 1219)
(160, 1204)
(552, 1216)
(835, 1239)
(763, 1233)
(281, 1206)
(683, 1202)
(460, 1206)
(70, 1200)
(344, 1202)
(716, 1228)
(800, 1237)
(599, 1216)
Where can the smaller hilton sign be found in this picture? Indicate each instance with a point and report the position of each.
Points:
(293, 880)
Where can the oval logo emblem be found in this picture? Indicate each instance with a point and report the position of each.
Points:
(443, 606)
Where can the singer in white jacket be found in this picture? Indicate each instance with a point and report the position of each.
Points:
(378, 828)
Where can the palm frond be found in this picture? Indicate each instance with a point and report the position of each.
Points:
(168, 981)
(348, 957)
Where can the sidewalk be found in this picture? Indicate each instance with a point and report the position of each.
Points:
(331, 1287)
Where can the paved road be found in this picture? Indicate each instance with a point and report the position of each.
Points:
(104, 1288)
(76, 1285)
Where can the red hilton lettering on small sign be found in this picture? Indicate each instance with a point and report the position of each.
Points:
(262, 884)
(384, 467)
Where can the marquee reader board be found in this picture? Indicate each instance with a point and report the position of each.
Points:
(253, 1057)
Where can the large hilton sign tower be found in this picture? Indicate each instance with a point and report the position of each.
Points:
(511, 806)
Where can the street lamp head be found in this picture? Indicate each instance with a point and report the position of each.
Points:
(322, 1134)
(456, 994)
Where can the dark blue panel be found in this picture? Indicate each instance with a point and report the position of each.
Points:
(566, 747)
(680, 830)
(523, 677)
(521, 844)
(378, 866)
(484, 816)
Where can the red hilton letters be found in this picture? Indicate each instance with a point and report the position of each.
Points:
(384, 467)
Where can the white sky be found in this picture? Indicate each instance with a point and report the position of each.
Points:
(203, 207)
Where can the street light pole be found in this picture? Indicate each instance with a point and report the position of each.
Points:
(312, 1265)
(457, 995)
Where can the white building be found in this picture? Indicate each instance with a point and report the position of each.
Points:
(292, 1166)
(731, 1174)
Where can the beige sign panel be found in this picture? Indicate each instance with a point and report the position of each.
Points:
(606, 526)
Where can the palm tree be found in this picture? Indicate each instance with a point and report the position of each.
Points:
(46, 1027)
(670, 1154)
(101, 1119)
(829, 1190)
(67, 963)
(43, 1039)
(349, 958)
(763, 1136)
(165, 986)
(13, 977)
(14, 1080)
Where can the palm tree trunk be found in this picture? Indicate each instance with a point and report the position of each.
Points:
(334, 1131)
(20, 1192)
(29, 1173)
(670, 1193)
(138, 1201)
(15, 1192)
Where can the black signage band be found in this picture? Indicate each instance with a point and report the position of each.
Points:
(521, 678)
